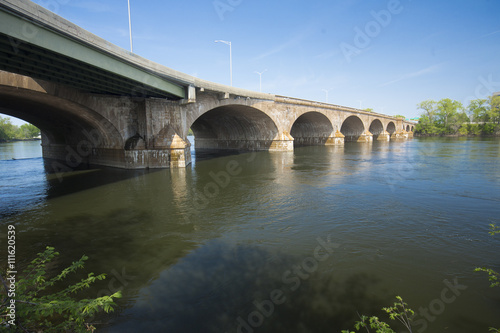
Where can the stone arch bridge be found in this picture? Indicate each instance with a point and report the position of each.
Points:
(99, 104)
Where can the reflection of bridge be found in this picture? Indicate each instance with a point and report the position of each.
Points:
(97, 103)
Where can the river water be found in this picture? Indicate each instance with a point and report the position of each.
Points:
(273, 242)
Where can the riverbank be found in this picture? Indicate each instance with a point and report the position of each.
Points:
(17, 140)
(457, 135)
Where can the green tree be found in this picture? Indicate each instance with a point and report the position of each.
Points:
(8, 131)
(426, 126)
(28, 131)
(494, 109)
(369, 109)
(450, 115)
(429, 107)
(478, 110)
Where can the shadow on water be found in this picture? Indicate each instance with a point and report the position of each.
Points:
(218, 286)
(199, 155)
(28, 182)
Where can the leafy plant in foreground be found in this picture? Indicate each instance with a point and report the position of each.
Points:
(41, 309)
(493, 276)
(399, 311)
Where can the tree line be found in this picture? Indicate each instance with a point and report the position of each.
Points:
(450, 117)
(9, 131)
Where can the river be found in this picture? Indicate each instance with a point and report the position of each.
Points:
(273, 242)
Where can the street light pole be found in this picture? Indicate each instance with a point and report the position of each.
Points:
(130, 28)
(230, 58)
(260, 79)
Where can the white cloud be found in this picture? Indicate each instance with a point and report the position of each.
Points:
(421, 72)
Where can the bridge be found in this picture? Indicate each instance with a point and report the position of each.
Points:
(96, 103)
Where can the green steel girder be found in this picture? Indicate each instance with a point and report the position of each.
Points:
(30, 49)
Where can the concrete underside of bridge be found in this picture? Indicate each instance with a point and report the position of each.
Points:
(81, 128)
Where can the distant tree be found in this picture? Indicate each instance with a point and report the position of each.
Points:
(8, 131)
(478, 110)
(494, 111)
(399, 116)
(369, 109)
(426, 126)
(451, 115)
(28, 131)
(429, 107)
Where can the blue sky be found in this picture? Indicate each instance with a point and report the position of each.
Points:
(386, 55)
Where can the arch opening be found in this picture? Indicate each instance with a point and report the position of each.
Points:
(376, 128)
(234, 127)
(311, 129)
(70, 133)
(407, 128)
(17, 130)
(352, 128)
(391, 128)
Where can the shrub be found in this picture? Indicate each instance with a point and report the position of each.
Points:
(39, 310)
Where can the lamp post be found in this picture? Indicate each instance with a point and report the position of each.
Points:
(230, 58)
(260, 79)
(130, 27)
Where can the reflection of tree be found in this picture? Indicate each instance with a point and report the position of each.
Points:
(209, 289)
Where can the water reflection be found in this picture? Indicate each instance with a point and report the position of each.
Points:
(193, 248)
(212, 290)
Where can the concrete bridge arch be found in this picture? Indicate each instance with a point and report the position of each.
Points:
(69, 124)
(223, 121)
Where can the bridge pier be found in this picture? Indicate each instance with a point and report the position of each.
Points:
(365, 137)
(400, 135)
(384, 136)
(336, 139)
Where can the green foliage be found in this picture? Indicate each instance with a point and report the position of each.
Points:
(493, 277)
(42, 305)
(429, 107)
(399, 116)
(477, 110)
(474, 129)
(399, 311)
(369, 109)
(9, 131)
(494, 109)
(450, 117)
(28, 131)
